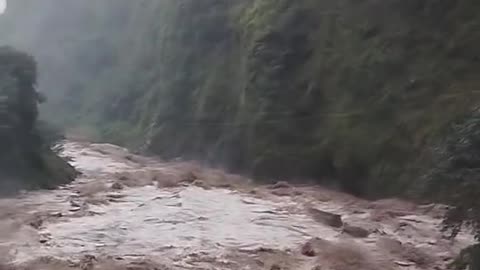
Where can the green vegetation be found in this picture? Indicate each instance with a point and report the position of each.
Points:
(26, 160)
(454, 179)
(354, 91)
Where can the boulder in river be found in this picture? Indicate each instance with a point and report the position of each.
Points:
(36, 222)
(356, 231)
(117, 186)
(275, 267)
(308, 250)
(326, 218)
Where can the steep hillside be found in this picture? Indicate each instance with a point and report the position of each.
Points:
(351, 90)
(26, 160)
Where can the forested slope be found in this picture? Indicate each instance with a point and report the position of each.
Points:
(357, 91)
(341, 89)
(26, 160)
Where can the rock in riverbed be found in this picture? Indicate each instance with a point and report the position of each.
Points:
(356, 231)
(326, 218)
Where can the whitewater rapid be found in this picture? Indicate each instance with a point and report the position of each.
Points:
(125, 208)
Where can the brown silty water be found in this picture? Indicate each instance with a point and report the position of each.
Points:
(133, 212)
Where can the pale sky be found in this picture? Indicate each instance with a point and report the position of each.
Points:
(3, 5)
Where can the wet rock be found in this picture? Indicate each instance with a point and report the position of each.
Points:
(43, 239)
(264, 250)
(258, 250)
(117, 186)
(356, 231)
(75, 204)
(123, 177)
(176, 205)
(280, 184)
(275, 267)
(116, 196)
(416, 255)
(326, 218)
(56, 215)
(407, 252)
(36, 222)
(308, 250)
(87, 262)
(259, 263)
(390, 245)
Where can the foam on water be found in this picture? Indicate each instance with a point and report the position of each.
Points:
(148, 220)
(171, 223)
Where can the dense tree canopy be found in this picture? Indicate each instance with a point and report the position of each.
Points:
(25, 160)
(455, 179)
(277, 89)
(18, 76)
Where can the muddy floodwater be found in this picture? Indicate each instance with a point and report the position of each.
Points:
(132, 212)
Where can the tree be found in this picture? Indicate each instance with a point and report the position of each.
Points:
(455, 180)
(26, 161)
(18, 76)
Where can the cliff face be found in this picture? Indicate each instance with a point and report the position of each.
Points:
(343, 89)
(351, 90)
